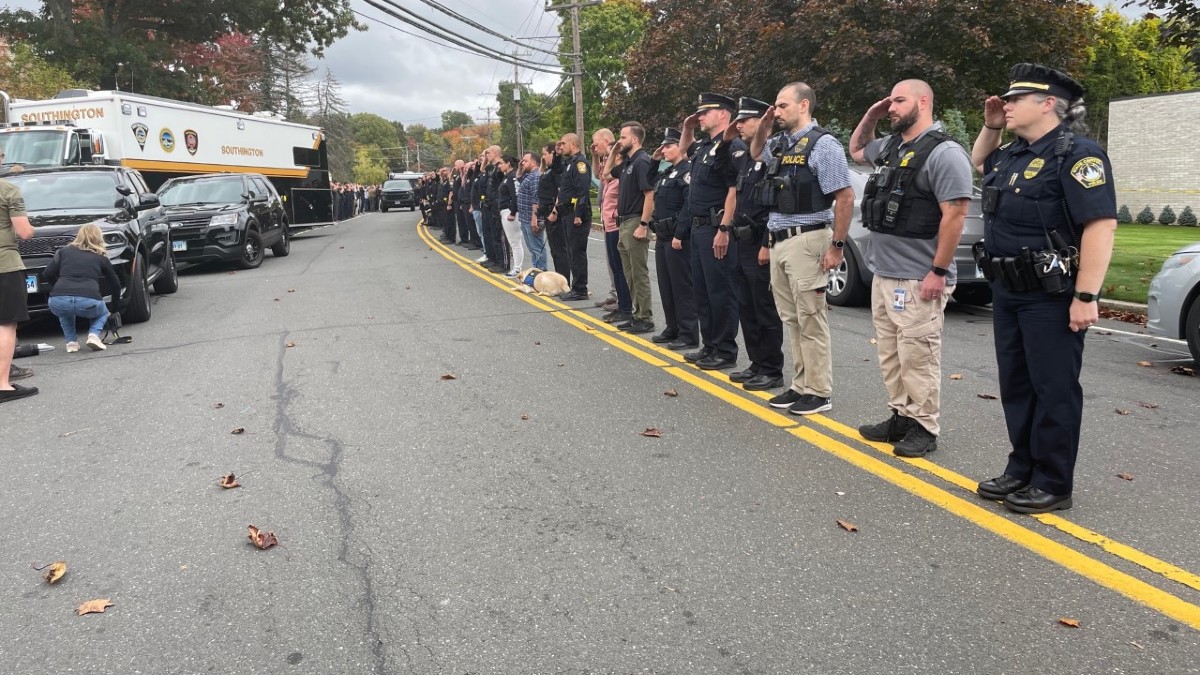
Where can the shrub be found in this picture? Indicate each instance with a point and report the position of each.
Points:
(1187, 218)
(1167, 216)
(1146, 217)
(1124, 216)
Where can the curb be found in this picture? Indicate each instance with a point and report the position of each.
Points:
(1122, 306)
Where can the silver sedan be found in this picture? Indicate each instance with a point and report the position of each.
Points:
(1173, 307)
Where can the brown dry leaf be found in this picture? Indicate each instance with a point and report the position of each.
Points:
(1122, 412)
(261, 539)
(987, 397)
(238, 430)
(537, 343)
(652, 432)
(873, 341)
(291, 290)
(956, 376)
(218, 406)
(449, 376)
(229, 481)
(54, 571)
(407, 287)
(1184, 370)
(1124, 476)
(524, 417)
(289, 345)
(276, 299)
(847, 526)
(1073, 623)
(1145, 364)
(671, 392)
(1104, 332)
(94, 606)
(561, 365)
(1148, 406)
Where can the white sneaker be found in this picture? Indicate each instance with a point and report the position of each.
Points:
(94, 343)
(482, 258)
(72, 347)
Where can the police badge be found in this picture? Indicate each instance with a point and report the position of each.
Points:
(191, 141)
(140, 133)
(166, 139)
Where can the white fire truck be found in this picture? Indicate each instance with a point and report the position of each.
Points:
(164, 139)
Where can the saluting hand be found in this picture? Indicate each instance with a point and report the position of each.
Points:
(691, 121)
(993, 112)
(880, 109)
(731, 133)
(768, 117)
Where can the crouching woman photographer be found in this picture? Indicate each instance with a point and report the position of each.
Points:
(75, 273)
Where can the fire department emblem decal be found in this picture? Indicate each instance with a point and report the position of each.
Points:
(166, 138)
(141, 132)
(191, 140)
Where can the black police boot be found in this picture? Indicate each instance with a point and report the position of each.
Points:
(692, 357)
(918, 442)
(1035, 500)
(1000, 487)
(888, 431)
(740, 376)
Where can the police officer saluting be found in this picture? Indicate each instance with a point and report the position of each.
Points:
(811, 204)
(672, 255)
(762, 330)
(1048, 197)
(915, 202)
(711, 202)
(575, 213)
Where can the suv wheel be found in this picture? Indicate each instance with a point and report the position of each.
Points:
(168, 279)
(137, 310)
(252, 251)
(284, 246)
(846, 287)
(973, 294)
(1191, 330)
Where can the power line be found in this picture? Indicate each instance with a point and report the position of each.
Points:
(449, 12)
(454, 38)
(416, 35)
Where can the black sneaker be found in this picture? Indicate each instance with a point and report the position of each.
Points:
(810, 404)
(786, 399)
(888, 431)
(918, 442)
(663, 338)
(617, 316)
(639, 327)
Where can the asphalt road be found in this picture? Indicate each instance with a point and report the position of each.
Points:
(514, 520)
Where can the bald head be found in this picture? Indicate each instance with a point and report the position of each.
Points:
(568, 145)
(911, 109)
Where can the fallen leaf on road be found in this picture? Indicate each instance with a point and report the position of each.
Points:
(291, 290)
(218, 406)
(537, 342)
(652, 432)
(956, 376)
(1124, 476)
(1184, 370)
(1073, 623)
(1122, 412)
(1148, 406)
(840, 494)
(987, 397)
(341, 247)
(849, 527)
(449, 376)
(289, 345)
(1145, 364)
(407, 287)
(1137, 645)
(524, 417)
(229, 481)
(1104, 332)
(671, 392)
(873, 341)
(54, 571)
(263, 540)
(238, 430)
(276, 299)
(561, 365)
(67, 434)
(94, 606)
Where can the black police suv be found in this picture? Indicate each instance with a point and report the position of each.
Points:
(230, 217)
(398, 192)
(60, 200)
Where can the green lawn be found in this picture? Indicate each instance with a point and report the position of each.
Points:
(1138, 253)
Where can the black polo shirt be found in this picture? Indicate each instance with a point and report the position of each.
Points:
(634, 177)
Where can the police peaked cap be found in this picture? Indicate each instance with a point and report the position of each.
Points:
(750, 108)
(671, 136)
(710, 101)
(1031, 78)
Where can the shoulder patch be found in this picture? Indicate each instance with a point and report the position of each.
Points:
(738, 153)
(687, 178)
(581, 167)
(1089, 172)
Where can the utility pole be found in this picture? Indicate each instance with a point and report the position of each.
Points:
(517, 103)
(578, 74)
(488, 110)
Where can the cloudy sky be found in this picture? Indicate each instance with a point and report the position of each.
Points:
(405, 78)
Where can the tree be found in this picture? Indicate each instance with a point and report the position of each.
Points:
(370, 166)
(284, 84)
(1182, 19)
(27, 75)
(1187, 218)
(534, 108)
(226, 71)
(429, 146)
(1123, 215)
(453, 119)
(1146, 217)
(371, 129)
(1167, 217)
(329, 112)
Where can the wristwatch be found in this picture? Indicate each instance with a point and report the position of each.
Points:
(643, 223)
(839, 243)
(1087, 297)
(723, 227)
(940, 271)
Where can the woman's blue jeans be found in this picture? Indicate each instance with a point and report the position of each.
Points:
(68, 308)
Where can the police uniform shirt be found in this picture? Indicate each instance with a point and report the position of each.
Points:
(1033, 192)
(671, 190)
(946, 174)
(576, 181)
(634, 176)
(827, 160)
(713, 173)
(547, 191)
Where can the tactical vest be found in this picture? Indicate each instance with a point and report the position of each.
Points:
(892, 202)
(790, 186)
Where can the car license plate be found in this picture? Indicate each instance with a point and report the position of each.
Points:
(31, 283)
(179, 246)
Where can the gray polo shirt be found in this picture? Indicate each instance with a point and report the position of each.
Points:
(947, 174)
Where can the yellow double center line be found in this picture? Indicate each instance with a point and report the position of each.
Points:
(707, 381)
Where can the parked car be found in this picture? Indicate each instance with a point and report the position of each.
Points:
(229, 217)
(398, 192)
(1173, 306)
(850, 283)
(61, 200)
